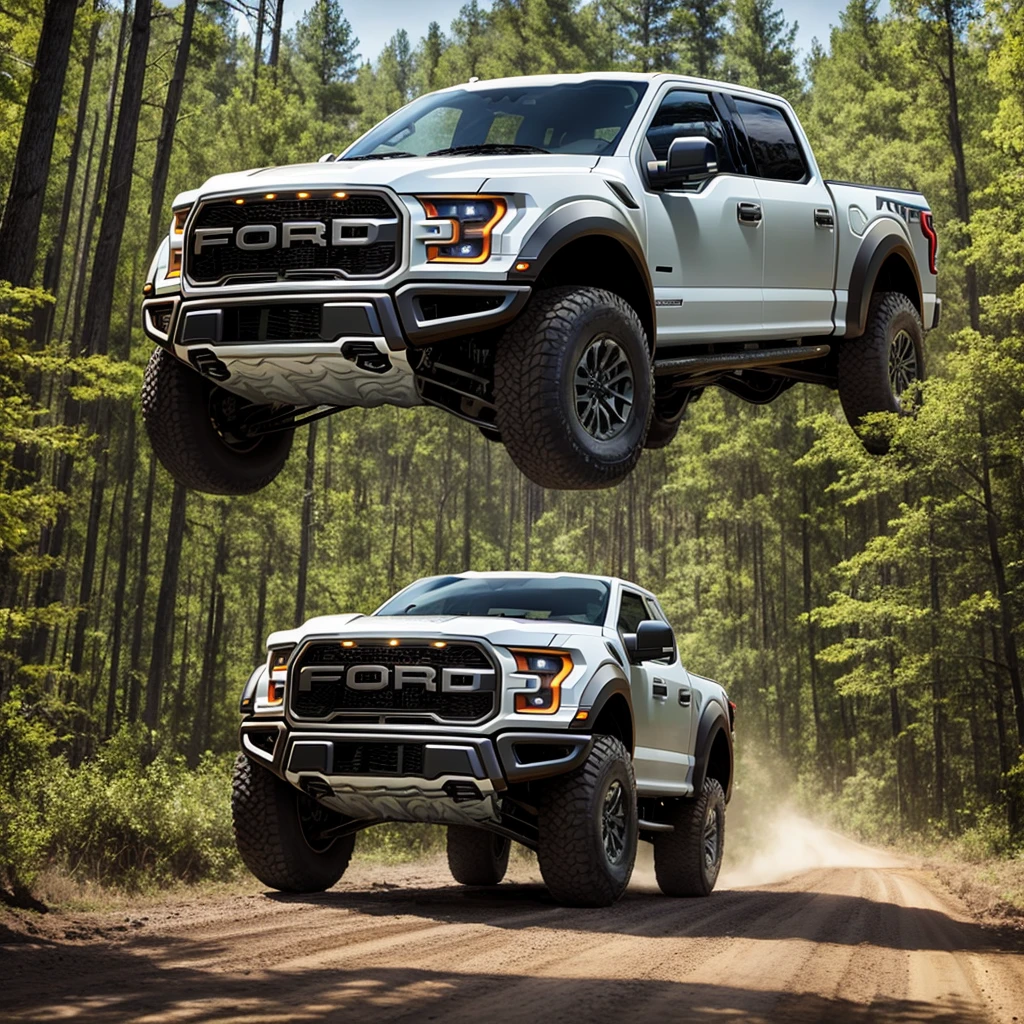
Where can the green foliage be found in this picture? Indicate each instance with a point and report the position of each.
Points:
(761, 48)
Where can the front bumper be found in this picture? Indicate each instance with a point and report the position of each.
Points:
(392, 776)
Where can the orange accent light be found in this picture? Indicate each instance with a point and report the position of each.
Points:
(341, 195)
(484, 232)
(302, 195)
(554, 685)
(348, 643)
(147, 288)
(582, 716)
(180, 216)
(174, 263)
(270, 195)
(522, 266)
(439, 644)
(392, 643)
(239, 202)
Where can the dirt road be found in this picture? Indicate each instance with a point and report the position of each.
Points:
(855, 936)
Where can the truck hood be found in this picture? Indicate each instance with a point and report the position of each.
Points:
(407, 174)
(499, 631)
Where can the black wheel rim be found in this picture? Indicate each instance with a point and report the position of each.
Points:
(224, 412)
(603, 389)
(314, 821)
(902, 363)
(613, 822)
(711, 840)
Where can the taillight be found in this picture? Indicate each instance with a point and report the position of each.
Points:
(928, 230)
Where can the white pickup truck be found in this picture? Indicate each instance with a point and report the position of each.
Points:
(549, 709)
(565, 261)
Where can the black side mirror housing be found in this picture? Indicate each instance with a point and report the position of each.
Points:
(653, 639)
(690, 158)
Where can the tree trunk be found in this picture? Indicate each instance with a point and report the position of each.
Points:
(19, 231)
(141, 588)
(257, 53)
(160, 656)
(96, 322)
(164, 144)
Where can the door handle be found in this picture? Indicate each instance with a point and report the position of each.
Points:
(823, 218)
(748, 213)
(660, 690)
(685, 696)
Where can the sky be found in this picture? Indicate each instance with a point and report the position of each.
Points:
(375, 21)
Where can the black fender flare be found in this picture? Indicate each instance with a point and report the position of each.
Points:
(607, 681)
(880, 242)
(585, 218)
(713, 721)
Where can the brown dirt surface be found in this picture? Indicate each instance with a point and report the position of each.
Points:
(821, 929)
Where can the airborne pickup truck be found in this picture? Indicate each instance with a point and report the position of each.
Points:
(564, 261)
(550, 710)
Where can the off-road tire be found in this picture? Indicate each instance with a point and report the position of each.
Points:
(534, 393)
(476, 857)
(864, 375)
(176, 409)
(269, 835)
(571, 849)
(680, 864)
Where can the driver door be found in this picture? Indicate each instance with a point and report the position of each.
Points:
(706, 260)
(662, 707)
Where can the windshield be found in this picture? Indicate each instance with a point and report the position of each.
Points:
(586, 117)
(562, 599)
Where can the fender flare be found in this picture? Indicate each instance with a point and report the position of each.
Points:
(713, 721)
(585, 218)
(880, 242)
(607, 681)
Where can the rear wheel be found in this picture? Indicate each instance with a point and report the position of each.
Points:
(588, 828)
(573, 388)
(879, 370)
(688, 859)
(284, 835)
(476, 857)
(193, 428)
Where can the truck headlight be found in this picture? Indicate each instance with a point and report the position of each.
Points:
(176, 236)
(277, 673)
(469, 220)
(551, 668)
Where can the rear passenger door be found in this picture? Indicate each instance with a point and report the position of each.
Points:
(798, 222)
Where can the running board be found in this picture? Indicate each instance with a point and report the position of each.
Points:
(655, 826)
(748, 360)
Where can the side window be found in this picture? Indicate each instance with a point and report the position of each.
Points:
(772, 142)
(632, 611)
(683, 112)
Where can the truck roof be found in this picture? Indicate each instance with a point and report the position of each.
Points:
(473, 575)
(522, 81)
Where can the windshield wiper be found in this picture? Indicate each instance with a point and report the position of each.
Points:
(488, 147)
(379, 156)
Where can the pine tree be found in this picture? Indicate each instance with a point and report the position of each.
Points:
(700, 25)
(327, 47)
(761, 49)
(649, 33)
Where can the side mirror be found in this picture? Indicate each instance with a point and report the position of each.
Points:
(690, 158)
(327, 158)
(652, 640)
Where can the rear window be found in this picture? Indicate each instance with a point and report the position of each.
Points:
(772, 142)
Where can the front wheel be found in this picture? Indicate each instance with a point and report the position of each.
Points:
(476, 857)
(879, 370)
(189, 421)
(587, 828)
(573, 388)
(283, 835)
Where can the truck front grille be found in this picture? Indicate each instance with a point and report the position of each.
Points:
(274, 247)
(325, 694)
(378, 758)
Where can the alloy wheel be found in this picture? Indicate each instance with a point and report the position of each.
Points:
(613, 822)
(603, 389)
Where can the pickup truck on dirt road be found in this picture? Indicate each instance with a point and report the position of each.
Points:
(564, 261)
(548, 709)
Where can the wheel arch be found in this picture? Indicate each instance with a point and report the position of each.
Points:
(609, 706)
(588, 243)
(714, 749)
(884, 262)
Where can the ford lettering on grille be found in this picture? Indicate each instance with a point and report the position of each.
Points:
(456, 682)
(320, 237)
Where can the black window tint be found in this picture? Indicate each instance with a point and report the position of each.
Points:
(632, 611)
(772, 142)
(685, 113)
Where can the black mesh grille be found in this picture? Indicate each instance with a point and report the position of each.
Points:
(216, 262)
(378, 758)
(273, 323)
(324, 698)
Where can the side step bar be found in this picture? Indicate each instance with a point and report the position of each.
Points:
(655, 826)
(749, 360)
